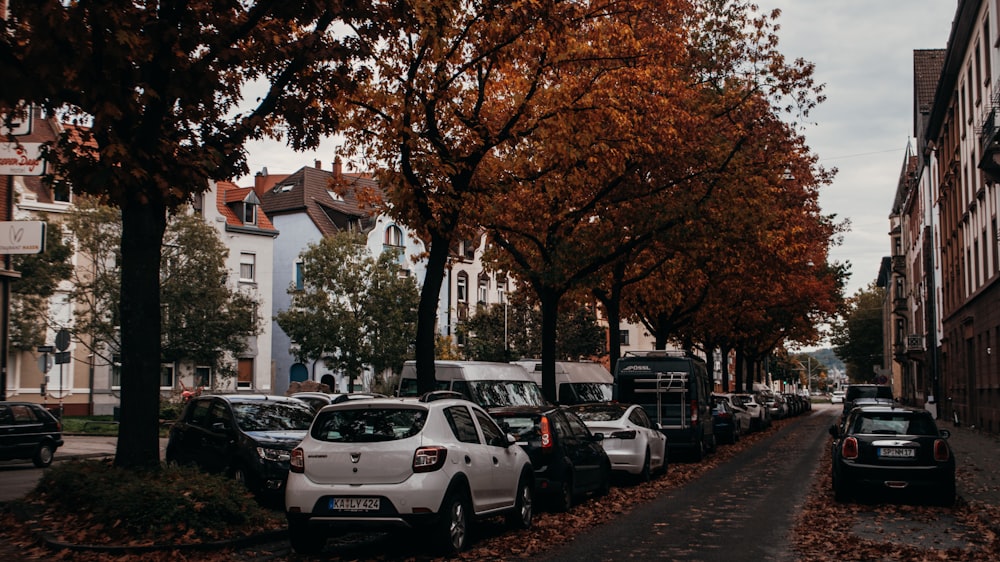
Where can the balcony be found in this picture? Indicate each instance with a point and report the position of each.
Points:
(899, 264)
(915, 347)
(989, 141)
(899, 305)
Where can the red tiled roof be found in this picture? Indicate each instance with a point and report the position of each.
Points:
(229, 192)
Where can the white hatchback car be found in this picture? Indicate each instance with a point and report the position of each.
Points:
(632, 441)
(437, 462)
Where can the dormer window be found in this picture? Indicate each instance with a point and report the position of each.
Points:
(249, 213)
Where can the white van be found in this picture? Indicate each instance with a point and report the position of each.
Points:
(577, 382)
(485, 383)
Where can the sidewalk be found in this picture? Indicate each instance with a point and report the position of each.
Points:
(92, 446)
(977, 456)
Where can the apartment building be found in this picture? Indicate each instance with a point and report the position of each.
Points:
(949, 261)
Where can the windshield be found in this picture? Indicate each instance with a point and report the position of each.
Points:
(490, 394)
(272, 416)
(368, 425)
(894, 424)
(584, 392)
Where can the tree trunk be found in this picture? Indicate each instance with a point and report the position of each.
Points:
(549, 302)
(724, 353)
(740, 371)
(430, 293)
(143, 223)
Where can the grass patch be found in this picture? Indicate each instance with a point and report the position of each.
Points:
(93, 502)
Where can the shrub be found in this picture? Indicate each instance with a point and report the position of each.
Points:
(155, 504)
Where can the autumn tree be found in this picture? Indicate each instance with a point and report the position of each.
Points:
(857, 335)
(656, 126)
(458, 85)
(354, 310)
(156, 93)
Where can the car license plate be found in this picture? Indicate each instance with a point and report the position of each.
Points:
(354, 504)
(896, 453)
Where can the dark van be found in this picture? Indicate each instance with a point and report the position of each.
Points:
(675, 390)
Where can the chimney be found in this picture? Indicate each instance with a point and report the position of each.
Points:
(338, 167)
(319, 165)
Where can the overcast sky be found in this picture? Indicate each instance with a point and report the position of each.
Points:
(863, 52)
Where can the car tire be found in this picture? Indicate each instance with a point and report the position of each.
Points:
(520, 517)
(841, 491)
(605, 486)
(453, 526)
(563, 500)
(946, 495)
(44, 455)
(645, 474)
(304, 539)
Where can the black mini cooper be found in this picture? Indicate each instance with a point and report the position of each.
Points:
(892, 447)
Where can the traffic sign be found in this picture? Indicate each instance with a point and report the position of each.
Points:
(62, 339)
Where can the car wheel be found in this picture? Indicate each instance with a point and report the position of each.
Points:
(563, 501)
(605, 487)
(946, 496)
(43, 457)
(304, 540)
(520, 517)
(644, 473)
(453, 527)
(841, 490)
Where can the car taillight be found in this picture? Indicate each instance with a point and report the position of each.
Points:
(623, 435)
(429, 459)
(941, 451)
(545, 429)
(694, 411)
(297, 463)
(849, 449)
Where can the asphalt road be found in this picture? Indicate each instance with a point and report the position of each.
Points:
(743, 510)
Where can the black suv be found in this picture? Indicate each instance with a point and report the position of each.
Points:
(28, 431)
(568, 459)
(249, 437)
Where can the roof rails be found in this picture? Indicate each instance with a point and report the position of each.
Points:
(657, 353)
(441, 395)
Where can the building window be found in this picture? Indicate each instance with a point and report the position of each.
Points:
(623, 337)
(244, 373)
(198, 204)
(484, 288)
(393, 236)
(249, 213)
(468, 250)
(166, 376)
(462, 287)
(299, 281)
(116, 371)
(203, 377)
(248, 263)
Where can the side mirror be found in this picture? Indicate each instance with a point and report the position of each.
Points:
(657, 426)
(220, 427)
(597, 437)
(834, 431)
(511, 439)
(944, 433)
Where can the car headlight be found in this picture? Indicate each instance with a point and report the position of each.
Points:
(274, 455)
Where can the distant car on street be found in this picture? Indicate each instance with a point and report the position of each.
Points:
(319, 399)
(29, 432)
(837, 397)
